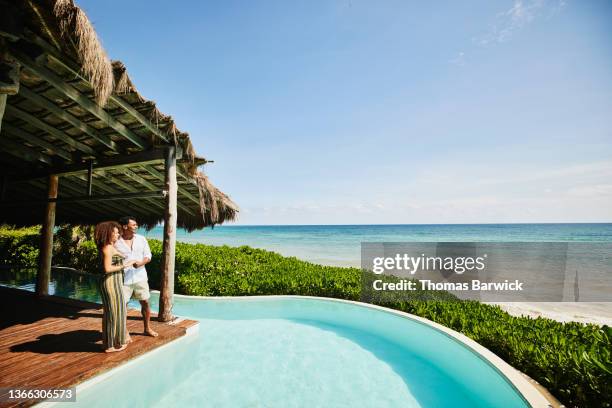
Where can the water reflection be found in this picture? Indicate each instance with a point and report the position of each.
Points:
(65, 282)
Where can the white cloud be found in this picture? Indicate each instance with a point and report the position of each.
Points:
(596, 190)
(483, 175)
(464, 193)
(522, 13)
(459, 59)
(508, 22)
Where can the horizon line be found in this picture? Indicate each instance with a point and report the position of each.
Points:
(410, 224)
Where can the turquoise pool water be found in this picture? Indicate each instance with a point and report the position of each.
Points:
(295, 352)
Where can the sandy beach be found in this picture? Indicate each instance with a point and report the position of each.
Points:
(583, 312)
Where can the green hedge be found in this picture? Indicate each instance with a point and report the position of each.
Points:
(572, 360)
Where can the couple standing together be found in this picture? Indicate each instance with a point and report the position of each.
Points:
(123, 255)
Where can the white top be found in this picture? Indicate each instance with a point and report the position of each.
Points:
(140, 250)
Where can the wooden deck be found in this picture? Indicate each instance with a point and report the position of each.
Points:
(55, 342)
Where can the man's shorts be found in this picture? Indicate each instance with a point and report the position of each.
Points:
(137, 290)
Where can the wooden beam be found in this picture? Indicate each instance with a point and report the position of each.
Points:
(38, 141)
(139, 117)
(119, 183)
(69, 66)
(76, 185)
(138, 179)
(110, 197)
(117, 161)
(86, 208)
(169, 246)
(182, 191)
(151, 186)
(113, 197)
(184, 175)
(158, 175)
(23, 152)
(61, 85)
(142, 207)
(58, 134)
(129, 187)
(115, 99)
(46, 246)
(63, 114)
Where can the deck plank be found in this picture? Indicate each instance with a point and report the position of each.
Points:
(53, 342)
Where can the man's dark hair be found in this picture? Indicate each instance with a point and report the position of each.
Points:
(126, 220)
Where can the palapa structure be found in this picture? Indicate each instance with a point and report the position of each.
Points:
(79, 144)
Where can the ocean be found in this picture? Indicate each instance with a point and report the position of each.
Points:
(340, 245)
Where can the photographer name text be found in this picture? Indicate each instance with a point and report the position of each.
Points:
(424, 284)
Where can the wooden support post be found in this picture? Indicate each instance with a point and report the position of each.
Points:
(2, 107)
(89, 177)
(167, 265)
(46, 243)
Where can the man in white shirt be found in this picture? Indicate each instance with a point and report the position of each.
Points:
(136, 283)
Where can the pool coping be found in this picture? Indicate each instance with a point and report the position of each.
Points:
(519, 381)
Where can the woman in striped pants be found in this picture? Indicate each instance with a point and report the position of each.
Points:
(114, 322)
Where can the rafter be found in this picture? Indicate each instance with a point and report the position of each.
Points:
(76, 96)
(65, 63)
(38, 141)
(158, 175)
(117, 161)
(74, 185)
(104, 187)
(113, 98)
(36, 122)
(63, 114)
(23, 152)
(129, 173)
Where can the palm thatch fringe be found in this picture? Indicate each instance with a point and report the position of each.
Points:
(215, 205)
(95, 64)
(123, 83)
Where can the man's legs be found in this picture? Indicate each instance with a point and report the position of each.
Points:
(146, 317)
(141, 292)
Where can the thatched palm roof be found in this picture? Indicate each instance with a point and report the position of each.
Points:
(70, 105)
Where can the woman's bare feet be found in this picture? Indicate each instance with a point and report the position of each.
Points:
(114, 350)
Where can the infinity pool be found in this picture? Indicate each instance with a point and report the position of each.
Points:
(295, 352)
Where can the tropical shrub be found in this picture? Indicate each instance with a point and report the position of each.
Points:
(19, 246)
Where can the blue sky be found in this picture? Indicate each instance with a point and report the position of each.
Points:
(365, 112)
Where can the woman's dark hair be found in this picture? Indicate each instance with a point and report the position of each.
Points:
(104, 233)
